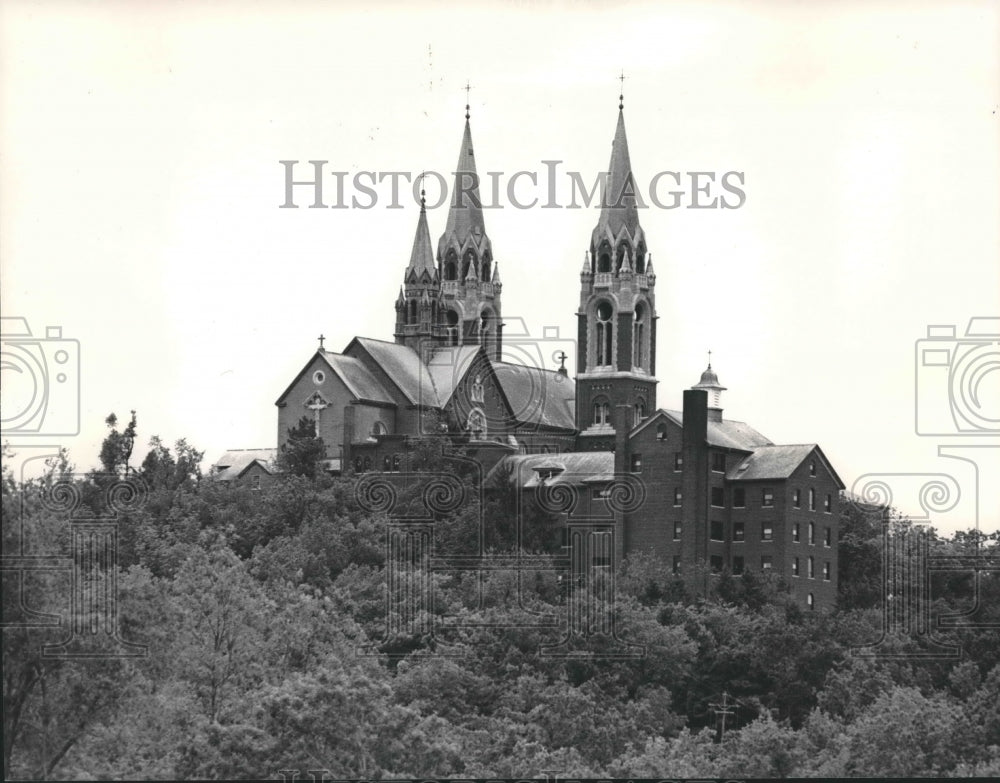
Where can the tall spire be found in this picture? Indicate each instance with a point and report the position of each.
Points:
(465, 214)
(620, 198)
(422, 255)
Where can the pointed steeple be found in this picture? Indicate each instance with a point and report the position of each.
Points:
(422, 255)
(621, 196)
(465, 213)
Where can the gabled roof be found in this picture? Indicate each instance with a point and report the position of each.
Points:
(353, 374)
(578, 467)
(536, 396)
(726, 434)
(236, 462)
(778, 462)
(448, 366)
(403, 366)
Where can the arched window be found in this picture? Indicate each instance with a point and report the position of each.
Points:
(378, 429)
(486, 270)
(469, 259)
(602, 412)
(640, 411)
(639, 337)
(413, 311)
(810, 601)
(640, 260)
(604, 258)
(476, 425)
(451, 321)
(451, 266)
(484, 327)
(605, 330)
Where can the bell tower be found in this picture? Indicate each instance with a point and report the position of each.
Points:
(616, 344)
(418, 301)
(469, 310)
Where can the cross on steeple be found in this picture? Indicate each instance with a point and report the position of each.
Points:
(321, 338)
(621, 93)
(562, 357)
(467, 88)
(710, 360)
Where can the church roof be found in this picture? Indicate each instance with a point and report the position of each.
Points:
(536, 396)
(357, 378)
(235, 463)
(403, 366)
(448, 366)
(727, 434)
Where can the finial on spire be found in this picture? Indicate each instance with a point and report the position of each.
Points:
(710, 360)
(321, 339)
(423, 199)
(621, 94)
(467, 88)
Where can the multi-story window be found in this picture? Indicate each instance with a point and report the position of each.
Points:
(828, 504)
(795, 567)
(796, 532)
(717, 531)
(677, 496)
(812, 499)
(719, 461)
(739, 531)
(718, 497)
(738, 564)
(826, 570)
(767, 497)
(811, 567)
(637, 463)
(828, 537)
(678, 461)
(766, 562)
(766, 532)
(812, 533)
(739, 497)
(715, 562)
(797, 498)
(678, 527)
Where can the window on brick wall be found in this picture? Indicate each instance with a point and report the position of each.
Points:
(767, 497)
(255, 481)
(766, 532)
(677, 564)
(797, 498)
(811, 567)
(739, 497)
(796, 532)
(661, 431)
(739, 531)
(766, 562)
(716, 530)
(678, 528)
(718, 497)
(812, 533)
(599, 493)
(826, 570)
(637, 463)
(828, 537)
(715, 562)
(677, 496)
(795, 566)
(738, 564)
(828, 504)
(811, 602)
(719, 461)
(678, 461)
(812, 468)
(812, 499)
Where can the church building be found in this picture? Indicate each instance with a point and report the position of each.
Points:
(714, 491)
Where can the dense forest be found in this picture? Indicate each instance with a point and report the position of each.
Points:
(263, 616)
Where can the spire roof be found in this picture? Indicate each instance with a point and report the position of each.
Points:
(422, 255)
(620, 199)
(465, 213)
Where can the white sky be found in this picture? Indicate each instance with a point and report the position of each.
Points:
(140, 190)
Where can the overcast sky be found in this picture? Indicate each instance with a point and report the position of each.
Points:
(140, 193)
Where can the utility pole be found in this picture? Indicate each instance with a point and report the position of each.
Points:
(722, 711)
